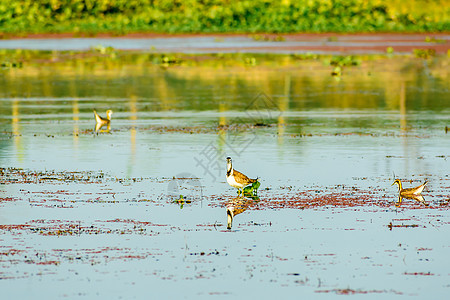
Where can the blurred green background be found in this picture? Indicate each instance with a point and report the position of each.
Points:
(90, 17)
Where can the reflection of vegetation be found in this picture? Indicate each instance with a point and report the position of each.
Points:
(120, 17)
(434, 40)
(8, 65)
(168, 60)
(341, 61)
(209, 82)
(424, 53)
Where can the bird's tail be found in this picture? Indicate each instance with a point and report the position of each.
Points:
(98, 119)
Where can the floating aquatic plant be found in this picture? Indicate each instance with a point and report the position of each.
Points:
(252, 189)
(181, 201)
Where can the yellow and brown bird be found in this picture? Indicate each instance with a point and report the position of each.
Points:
(100, 121)
(410, 191)
(237, 179)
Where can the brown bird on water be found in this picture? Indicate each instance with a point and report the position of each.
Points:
(237, 179)
(410, 191)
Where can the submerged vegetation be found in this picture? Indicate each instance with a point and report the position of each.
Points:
(194, 16)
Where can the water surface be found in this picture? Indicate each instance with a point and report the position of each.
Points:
(88, 214)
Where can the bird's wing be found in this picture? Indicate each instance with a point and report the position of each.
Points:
(241, 178)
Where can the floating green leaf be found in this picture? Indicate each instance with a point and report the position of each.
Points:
(256, 185)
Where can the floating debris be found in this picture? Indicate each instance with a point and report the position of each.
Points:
(390, 226)
(354, 292)
(16, 175)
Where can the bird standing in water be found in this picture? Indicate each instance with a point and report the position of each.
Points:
(236, 179)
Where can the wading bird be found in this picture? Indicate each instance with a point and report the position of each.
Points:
(237, 179)
(100, 122)
(410, 193)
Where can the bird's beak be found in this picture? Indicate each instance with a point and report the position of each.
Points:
(393, 183)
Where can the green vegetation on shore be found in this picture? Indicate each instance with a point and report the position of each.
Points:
(89, 17)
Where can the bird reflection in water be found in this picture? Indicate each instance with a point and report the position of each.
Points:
(238, 205)
(418, 198)
(101, 122)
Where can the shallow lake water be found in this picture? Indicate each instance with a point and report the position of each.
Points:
(88, 214)
(240, 43)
